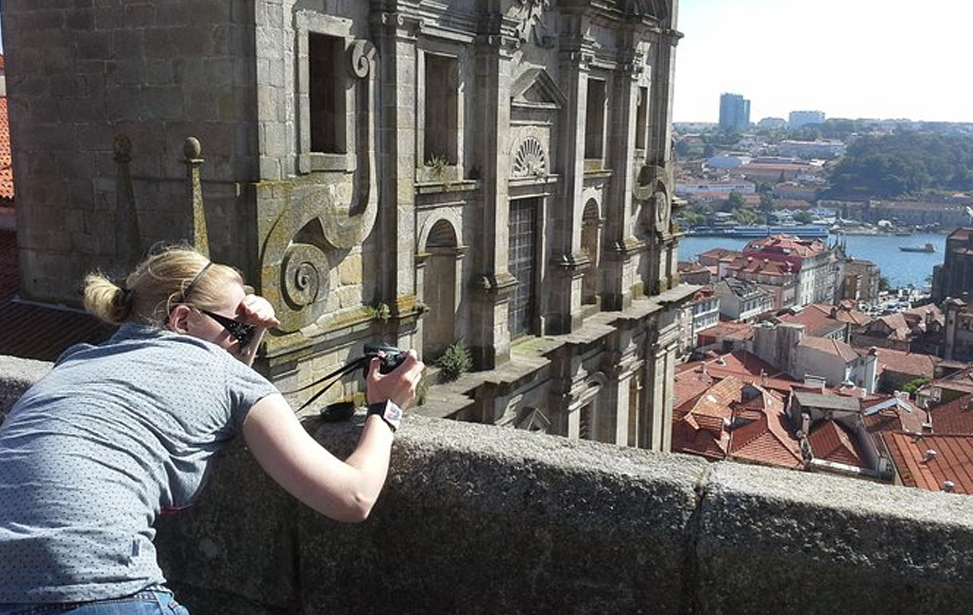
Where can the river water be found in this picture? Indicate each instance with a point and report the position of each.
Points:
(901, 268)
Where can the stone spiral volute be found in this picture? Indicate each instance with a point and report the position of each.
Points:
(305, 279)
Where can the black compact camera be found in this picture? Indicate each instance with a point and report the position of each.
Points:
(391, 356)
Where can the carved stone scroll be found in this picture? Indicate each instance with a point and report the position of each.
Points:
(348, 220)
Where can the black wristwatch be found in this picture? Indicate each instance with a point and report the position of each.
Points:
(390, 413)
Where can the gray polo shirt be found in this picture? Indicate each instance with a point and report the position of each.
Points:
(93, 451)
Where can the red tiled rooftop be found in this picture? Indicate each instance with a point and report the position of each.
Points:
(818, 320)
(6, 170)
(961, 381)
(785, 244)
(729, 330)
(908, 363)
(33, 331)
(690, 379)
(952, 460)
(767, 440)
(953, 417)
(890, 413)
(831, 441)
(690, 267)
(833, 347)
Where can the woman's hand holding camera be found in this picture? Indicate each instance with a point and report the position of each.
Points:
(399, 385)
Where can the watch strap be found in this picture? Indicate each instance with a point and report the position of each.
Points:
(390, 413)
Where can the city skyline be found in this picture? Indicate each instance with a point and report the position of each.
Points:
(810, 55)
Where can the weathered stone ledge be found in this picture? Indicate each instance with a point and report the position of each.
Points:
(479, 519)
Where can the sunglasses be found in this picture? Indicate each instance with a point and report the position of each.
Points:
(243, 333)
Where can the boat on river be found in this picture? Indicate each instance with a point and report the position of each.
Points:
(926, 248)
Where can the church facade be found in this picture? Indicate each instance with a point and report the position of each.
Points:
(491, 173)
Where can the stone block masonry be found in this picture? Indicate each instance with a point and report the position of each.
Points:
(82, 73)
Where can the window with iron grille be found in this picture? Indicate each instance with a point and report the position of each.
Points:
(523, 226)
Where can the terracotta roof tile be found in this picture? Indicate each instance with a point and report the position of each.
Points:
(817, 320)
(729, 330)
(954, 417)
(768, 441)
(830, 346)
(952, 460)
(32, 331)
(831, 441)
(6, 169)
(907, 363)
(785, 244)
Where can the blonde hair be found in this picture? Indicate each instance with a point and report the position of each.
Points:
(160, 282)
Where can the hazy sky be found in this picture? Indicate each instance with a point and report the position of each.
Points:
(848, 58)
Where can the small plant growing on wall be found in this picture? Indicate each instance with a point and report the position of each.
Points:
(438, 165)
(379, 311)
(453, 363)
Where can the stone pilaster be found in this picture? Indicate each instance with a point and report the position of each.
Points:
(655, 421)
(489, 335)
(620, 263)
(397, 51)
(566, 281)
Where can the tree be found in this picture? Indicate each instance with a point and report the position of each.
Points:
(914, 385)
(745, 216)
(736, 201)
(883, 284)
(803, 217)
(766, 203)
(683, 149)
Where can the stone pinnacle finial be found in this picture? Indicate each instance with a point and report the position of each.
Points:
(192, 150)
(128, 238)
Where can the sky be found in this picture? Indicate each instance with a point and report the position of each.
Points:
(848, 58)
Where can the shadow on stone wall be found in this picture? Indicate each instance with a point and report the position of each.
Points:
(478, 519)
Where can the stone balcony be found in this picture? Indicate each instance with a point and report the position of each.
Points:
(478, 519)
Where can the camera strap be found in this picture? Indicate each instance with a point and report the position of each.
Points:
(335, 375)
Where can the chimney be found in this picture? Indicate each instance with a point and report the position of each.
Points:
(929, 456)
(948, 486)
(764, 380)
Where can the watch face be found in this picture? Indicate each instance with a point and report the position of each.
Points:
(393, 413)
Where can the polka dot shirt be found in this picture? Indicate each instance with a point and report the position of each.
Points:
(96, 449)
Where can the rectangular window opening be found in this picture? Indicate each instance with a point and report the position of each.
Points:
(594, 126)
(641, 119)
(522, 257)
(585, 426)
(441, 131)
(326, 93)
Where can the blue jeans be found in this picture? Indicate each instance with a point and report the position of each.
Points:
(149, 602)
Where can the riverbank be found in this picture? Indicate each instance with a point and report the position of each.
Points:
(901, 268)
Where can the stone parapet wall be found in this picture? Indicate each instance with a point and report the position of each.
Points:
(479, 519)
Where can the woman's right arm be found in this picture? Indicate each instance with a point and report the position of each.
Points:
(342, 490)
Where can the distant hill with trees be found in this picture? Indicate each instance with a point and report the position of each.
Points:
(904, 164)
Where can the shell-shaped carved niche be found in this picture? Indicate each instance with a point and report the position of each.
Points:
(530, 159)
